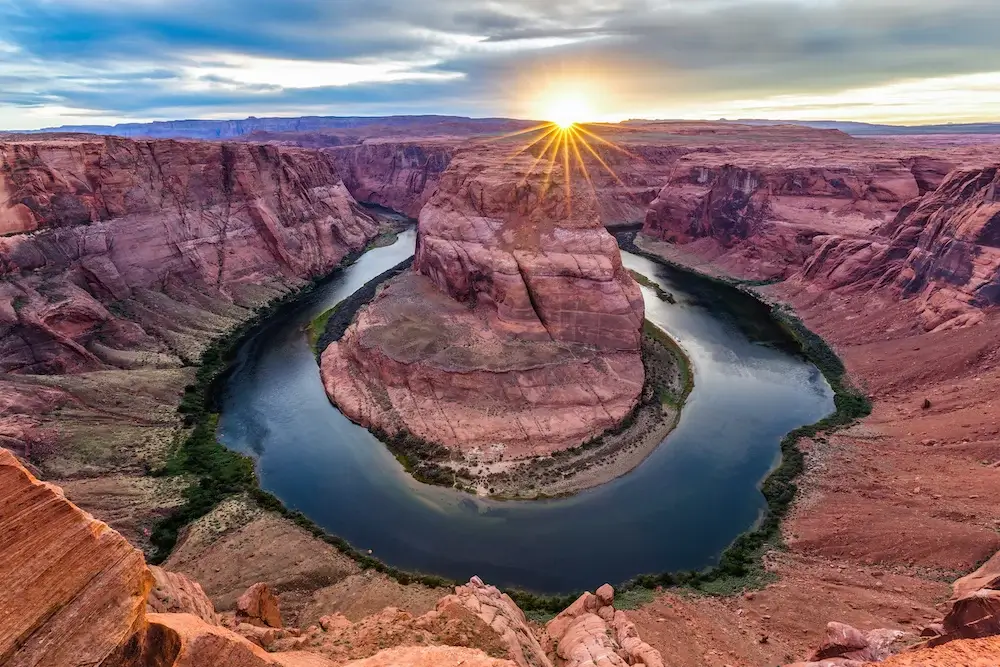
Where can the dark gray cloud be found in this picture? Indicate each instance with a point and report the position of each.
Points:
(153, 58)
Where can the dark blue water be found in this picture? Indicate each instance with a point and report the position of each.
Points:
(678, 510)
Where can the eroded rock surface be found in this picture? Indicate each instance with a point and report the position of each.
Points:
(503, 616)
(175, 593)
(115, 221)
(400, 175)
(592, 632)
(518, 331)
(258, 606)
(72, 589)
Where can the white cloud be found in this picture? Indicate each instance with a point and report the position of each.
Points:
(280, 73)
(963, 98)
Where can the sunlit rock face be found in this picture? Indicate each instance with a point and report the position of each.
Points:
(518, 330)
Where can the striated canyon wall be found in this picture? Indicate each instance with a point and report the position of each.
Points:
(919, 227)
(120, 261)
(942, 251)
(400, 175)
(96, 223)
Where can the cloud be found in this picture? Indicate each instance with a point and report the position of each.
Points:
(153, 59)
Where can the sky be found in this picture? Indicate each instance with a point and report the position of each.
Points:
(109, 61)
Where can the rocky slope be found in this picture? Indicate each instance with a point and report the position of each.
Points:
(76, 591)
(942, 250)
(516, 334)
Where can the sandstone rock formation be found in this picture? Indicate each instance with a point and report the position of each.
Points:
(394, 174)
(500, 613)
(941, 250)
(848, 643)
(517, 333)
(183, 640)
(175, 593)
(124, 257)
(975, 610)
(592, 631)
(75, 592)
(258, 606)
(916, 226)
(431, 656)
(72, 589)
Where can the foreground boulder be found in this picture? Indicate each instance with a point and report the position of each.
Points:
(848, 643)
(258, 606)
(975, 610)
(175, 593)
(72, 589)
(503, 616)
(183, 640)
(592, 632)
(518, 331)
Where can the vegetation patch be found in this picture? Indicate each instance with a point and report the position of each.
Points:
(318, 326)
(340, 316)
(663, 294)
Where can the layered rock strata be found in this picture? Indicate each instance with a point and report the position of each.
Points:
(120, 261)
(516, 334)
(917, 227)
(104, 236)
(942, 250)
(73, 590)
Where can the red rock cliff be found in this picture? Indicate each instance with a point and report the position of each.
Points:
(941, 250)
(400, 175)
(96, 224)
(516, 334)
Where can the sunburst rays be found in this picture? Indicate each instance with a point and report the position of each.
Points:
(568, 144)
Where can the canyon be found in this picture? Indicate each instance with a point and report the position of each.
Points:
(122, 260)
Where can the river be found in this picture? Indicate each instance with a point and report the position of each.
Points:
(678, 510)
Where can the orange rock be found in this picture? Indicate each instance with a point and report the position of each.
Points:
(258, 606)
(72, 589)
(174, 592)
(183, 640)
(582, 634)
(983, 652)
(503, 616)
(986, 577)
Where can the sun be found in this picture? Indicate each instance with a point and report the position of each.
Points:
(567, 110)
